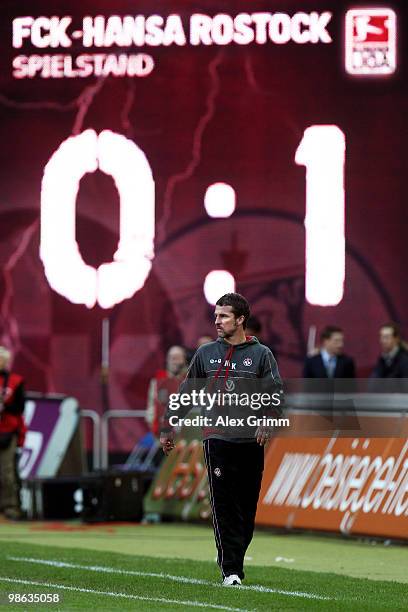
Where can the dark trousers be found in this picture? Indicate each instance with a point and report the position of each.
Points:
(9, 485)
(234, 477)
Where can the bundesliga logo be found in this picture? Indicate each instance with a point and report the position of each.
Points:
(370, 41)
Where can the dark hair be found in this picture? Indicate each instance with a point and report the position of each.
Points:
(238, 303)
(395, 329)
(254, 324)
(328, 331)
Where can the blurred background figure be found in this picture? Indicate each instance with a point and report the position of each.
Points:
(163, 384)
(204, 340)
(254, 328)
(330, 361)
(393, 361)
(12, 434)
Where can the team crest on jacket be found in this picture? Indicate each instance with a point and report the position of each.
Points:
(217, 472)
(230, 385)
(247, 361)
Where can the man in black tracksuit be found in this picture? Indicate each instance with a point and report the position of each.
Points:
(232, 365)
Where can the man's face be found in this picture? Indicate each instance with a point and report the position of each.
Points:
(3, 362)
(335, 344)
(225, 322)
(176, 360)
(388, 340)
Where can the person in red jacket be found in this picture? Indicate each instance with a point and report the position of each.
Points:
(163, 384)
(12, 434)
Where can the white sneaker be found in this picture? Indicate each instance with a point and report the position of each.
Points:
(231, 580)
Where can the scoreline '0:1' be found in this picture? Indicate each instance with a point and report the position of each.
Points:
(322, 151)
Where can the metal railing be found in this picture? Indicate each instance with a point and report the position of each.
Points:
(110, 414)
(364, 402)
(96, 436)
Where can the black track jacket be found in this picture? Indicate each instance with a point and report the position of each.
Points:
(222, 369)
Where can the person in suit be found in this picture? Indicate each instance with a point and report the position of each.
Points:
(330, 361)
(393, 361)
(326, 367)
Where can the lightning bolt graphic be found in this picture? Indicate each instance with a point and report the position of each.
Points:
(127, 107)
(198, 134)
(84, 101)
(11, 335)
(253, 83)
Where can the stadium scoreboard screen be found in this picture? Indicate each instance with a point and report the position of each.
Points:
(156, 157)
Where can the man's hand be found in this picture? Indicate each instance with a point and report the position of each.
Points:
(167, 442)
(263, 435)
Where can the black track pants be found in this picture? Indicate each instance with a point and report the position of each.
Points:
(234, 476)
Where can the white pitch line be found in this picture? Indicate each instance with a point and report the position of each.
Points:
(183, 579)
(65, 587)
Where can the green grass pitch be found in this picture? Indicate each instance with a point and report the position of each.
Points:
(171, 567)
